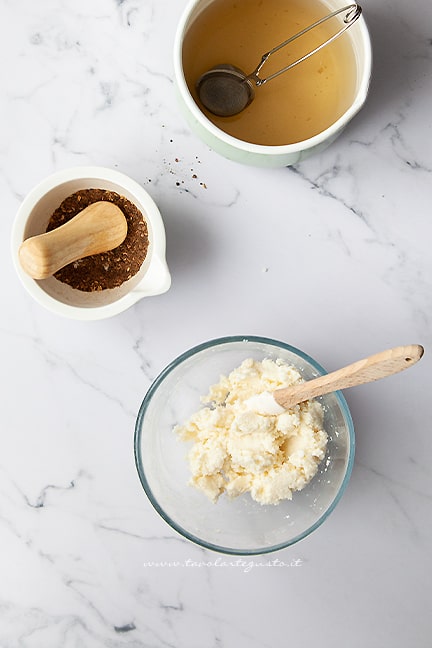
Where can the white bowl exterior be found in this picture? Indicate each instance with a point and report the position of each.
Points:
(32, 219)
(255, 154)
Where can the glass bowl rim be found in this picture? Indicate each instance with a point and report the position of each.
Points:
(138, 433)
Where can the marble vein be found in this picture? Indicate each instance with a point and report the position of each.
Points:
(56, 361)
(322, 182)
(405, 486)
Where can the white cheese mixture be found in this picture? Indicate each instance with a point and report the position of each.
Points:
(245, 442)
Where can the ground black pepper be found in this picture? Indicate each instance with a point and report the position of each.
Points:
(109, 269)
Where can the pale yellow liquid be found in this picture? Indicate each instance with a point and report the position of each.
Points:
(299, 103)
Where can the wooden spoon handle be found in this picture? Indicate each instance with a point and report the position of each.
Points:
(363, 371)
(98, 228)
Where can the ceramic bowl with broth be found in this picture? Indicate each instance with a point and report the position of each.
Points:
(292, 116)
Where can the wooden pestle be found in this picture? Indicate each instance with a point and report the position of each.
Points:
(98, 228)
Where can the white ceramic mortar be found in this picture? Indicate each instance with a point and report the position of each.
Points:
(32, 218)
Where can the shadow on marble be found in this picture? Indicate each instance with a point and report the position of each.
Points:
(402, 57)
(188, 243)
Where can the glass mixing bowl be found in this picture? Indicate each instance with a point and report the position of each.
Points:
(238, 526)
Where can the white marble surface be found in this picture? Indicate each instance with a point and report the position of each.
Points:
(332, 256)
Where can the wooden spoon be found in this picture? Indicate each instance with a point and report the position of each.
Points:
(98, 228)
(372, 368)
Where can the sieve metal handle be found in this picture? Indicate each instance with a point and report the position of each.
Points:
(353, 12)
